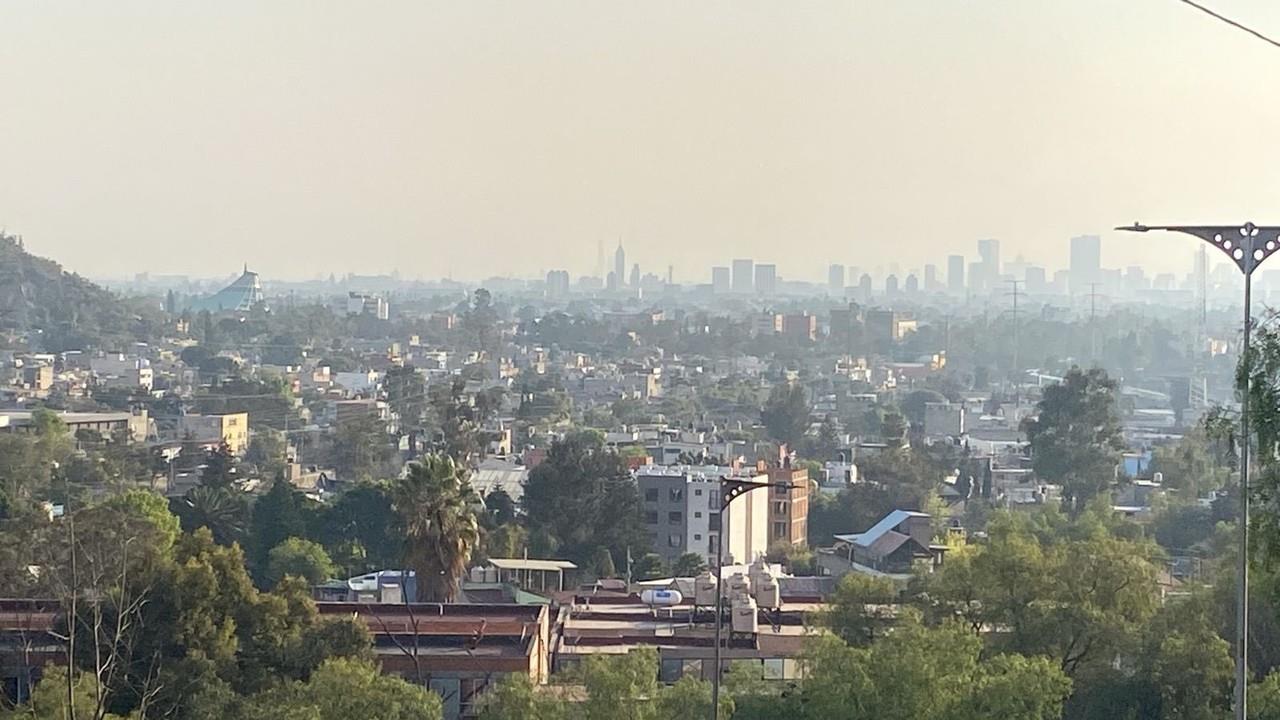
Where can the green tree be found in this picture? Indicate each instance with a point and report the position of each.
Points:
(583, 498)
(436, 506)
(648, 567)
(223, 510)
(786, 414)
(361, 447)
(1075, 437)
(267, 452)
(51, 699)
(362, 526)
(515, 696)
(220, 468)
(914, 404)
(406, 390)
(688, 565)
(337, 690)
(506, 541)
(861, 608)
(281, 513)
(299, 558)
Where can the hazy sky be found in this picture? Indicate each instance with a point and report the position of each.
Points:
(476, 138)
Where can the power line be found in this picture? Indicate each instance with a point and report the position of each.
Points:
(1232, 23)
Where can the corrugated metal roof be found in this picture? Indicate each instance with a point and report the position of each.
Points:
(887, 523)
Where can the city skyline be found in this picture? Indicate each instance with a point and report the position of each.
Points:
(460, 135)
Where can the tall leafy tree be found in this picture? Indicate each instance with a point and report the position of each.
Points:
(786, 413)
(1075, 437)
(281, 513)
(582, 498)
(437, 509)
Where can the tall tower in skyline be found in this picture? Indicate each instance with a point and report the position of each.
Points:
(989, 254)
(1085, 261)
(743, 275)
(955, 274)
(835, 279)
(620, 263)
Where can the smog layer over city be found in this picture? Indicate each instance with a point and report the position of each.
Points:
(591, 360)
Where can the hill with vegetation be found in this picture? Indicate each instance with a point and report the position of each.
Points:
(59, 310)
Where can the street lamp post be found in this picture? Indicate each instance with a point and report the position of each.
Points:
(730, 489)
(1248, 246)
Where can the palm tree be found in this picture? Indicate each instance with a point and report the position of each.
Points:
(220, 509)
(436, 506)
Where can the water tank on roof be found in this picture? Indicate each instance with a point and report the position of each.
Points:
(738, 583)
(745, 618)
(704, 589)
(477, 574)
(767, 594)
(665, 598)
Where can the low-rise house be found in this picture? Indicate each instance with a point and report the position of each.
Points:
(894, 547)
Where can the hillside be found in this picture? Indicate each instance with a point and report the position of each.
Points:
(60, 310)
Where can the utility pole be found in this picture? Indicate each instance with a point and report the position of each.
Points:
(730, 489)
(1248, 246)
(1014, 293)
(1093, 326)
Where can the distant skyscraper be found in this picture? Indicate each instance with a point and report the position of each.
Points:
(743, 275)
(720, 279)
(635, 275)
(620, 264)
(891, 285)
(1035, 278)
(611, 282)
(1086, 262)
(766, 279)
(835, 279)
(864, 287)
(930, 278)
(978, 277)
(989, 252)
(955, 274)
(1060, 281)
(912, 285)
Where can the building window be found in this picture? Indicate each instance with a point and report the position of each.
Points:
(697, 492)
(469, 691)
(713, 499)
(697, 513)
(651, 517)
(651, 495)
(675, 540)
(675, 517)
(677, 494)
(779, 529)
(780, 508)
(773, 669)
(670, 671)
(691, 668)
(713, 521)
(697, 537)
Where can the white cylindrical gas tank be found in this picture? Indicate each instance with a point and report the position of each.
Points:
(745, 619)
(704, 589)
(665, 598)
